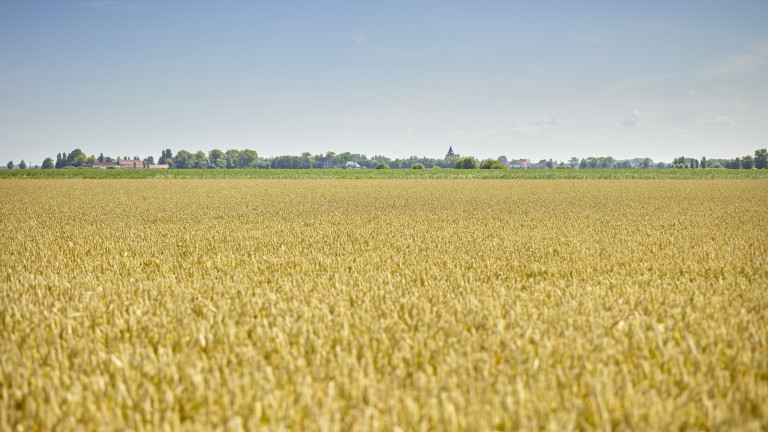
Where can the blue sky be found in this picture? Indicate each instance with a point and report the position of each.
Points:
(543, 79)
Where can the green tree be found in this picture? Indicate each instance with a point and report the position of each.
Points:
(747, 162)
(573, 162)
(183, 160)
(417, 166)
(248, 159)
(166, 158)
(503, 159)
(680, 162)
(761, 159)
(72, 158)
(645, 164)
(583, 164)
(703, 162)
(216, 159)
(492, 164)
(199, 160)
(550, 164)
(90, 161)
(48, 163)
(382, 165)
(80, 160)
(607, 162)
(232, 158)
(468, 162)
(22, 164)
(9, 165)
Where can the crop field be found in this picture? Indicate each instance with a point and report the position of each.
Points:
(383, 305)
(654, 174)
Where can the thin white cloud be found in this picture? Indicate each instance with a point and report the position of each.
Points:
(591, 39)
(359, 39)
(738, 64)
(459, 133)
(387, 50)
(550, 121)
(536, 124)
(732, 91)
(118, 5)
(17, 73)
(695, 92)
(675, 116)
(526, 129)
(634, 83)
(720, 120)
(632, 121)
(407, 108)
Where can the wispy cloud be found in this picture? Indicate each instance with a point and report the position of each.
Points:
(398, 51)
(720, 120)
(119, 5)
(591, 39)
(675, 116)
(738, 64)
(387, 50)
(459, 133)
(632, 121)
(634, 83)
(407, 108)
(17, 73)
(359, 39)
(536, 124)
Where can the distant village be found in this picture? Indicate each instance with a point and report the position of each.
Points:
(129, 164)
(237, 159)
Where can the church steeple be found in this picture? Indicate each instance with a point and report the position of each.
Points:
(450, 151)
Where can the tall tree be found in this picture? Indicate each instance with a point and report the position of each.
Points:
(22, 164)
(183, 160)
(216, 159)
(10, 165)
(761, 159)
(200, 161)
(703, 162)
(747, 162)
(166, 158)
(74, 158)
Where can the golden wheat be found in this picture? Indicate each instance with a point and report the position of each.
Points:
(383, 304)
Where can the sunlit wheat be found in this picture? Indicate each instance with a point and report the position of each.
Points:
(383, 304)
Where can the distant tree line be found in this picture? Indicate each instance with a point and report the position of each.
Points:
(230, 159)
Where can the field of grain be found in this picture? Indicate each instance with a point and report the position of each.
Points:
(383, 304)
(368, 174)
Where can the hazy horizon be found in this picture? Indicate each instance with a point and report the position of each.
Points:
(535, 80)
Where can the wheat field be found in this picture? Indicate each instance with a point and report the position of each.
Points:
(383, 305)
